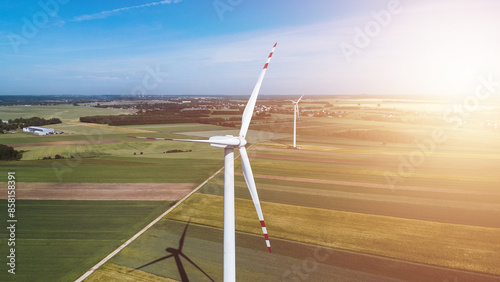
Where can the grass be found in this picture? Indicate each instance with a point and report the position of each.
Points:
(60, 240)
(119, 146)
(449, 245)
(113, 170)
(114, 272)
(174, 127)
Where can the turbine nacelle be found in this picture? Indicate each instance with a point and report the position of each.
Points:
(227, 140)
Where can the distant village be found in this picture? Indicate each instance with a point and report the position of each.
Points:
(229, 105)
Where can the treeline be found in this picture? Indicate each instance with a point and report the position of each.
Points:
(147, 107)
(8, 153)
(384, 136)
(164, 117)
(13, 124)
(150, 119)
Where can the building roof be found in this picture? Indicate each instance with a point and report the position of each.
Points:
(40, 128)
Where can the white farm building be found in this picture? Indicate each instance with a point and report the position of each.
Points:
(39, 130)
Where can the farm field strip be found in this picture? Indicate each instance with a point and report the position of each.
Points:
(61, 143)
(380, 199)
(58, 240)
(448, 165)
(114, 170)
(326, 160)
(465, 209)
(267, 186)
(115, 272)
(456, 160)
(173, 127)
(374, 185)
(388, 151)
(359, 232)
(418, 177)
(101, 191)
(119, 147)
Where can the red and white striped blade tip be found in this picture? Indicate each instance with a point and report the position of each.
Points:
(264, 230)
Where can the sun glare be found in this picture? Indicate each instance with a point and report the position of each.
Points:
(456, 62)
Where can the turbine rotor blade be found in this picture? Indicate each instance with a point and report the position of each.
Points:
(300, 98)
(247, 114)
(249, 179)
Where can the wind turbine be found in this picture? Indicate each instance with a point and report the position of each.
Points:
(230, 142)
(295, 115)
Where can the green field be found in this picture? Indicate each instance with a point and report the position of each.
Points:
(60, 240)
(112, 170)
(114, 272)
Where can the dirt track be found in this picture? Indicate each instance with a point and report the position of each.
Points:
(101, 191)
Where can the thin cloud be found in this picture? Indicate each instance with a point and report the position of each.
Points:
(104, 14)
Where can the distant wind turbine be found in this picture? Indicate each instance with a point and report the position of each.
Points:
(295, 115)
(230, 142)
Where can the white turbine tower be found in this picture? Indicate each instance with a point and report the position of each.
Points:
(230, 142)
(295, 115)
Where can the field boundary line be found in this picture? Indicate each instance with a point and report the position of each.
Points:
(112, 254)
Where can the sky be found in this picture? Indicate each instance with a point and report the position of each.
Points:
(218, 47)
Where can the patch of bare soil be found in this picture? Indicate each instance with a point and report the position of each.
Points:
(101, 191)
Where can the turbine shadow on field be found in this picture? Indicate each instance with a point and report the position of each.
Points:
(177, 254)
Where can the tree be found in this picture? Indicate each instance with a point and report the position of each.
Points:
(8, 153)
